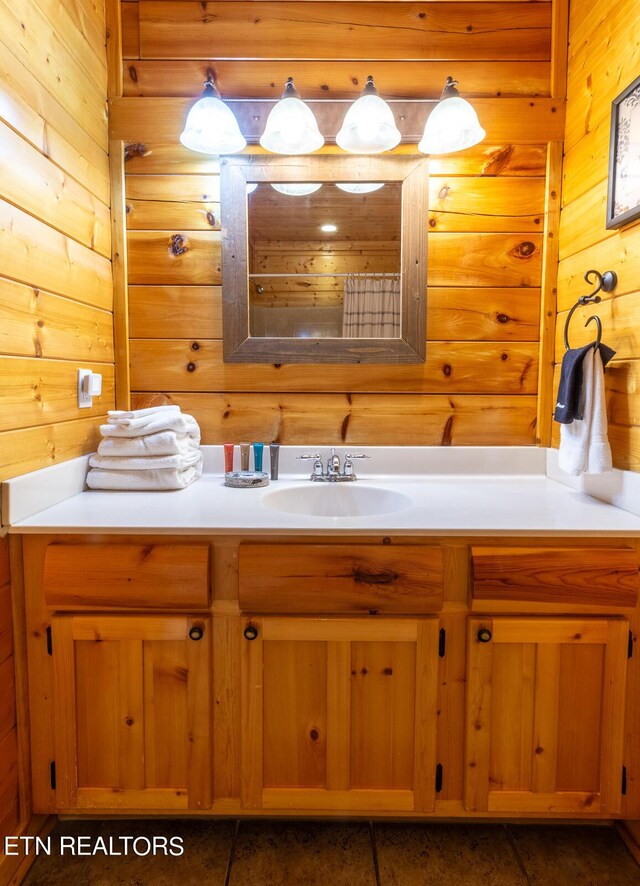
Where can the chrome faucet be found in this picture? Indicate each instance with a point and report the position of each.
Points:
(333, 474)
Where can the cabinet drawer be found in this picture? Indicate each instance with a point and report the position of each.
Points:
(340, 578)
(103, 576)
(601, 577)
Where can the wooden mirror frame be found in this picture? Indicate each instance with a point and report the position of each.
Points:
(239, 346)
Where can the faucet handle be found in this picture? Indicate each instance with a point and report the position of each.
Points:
(358, 455)
(317, 463)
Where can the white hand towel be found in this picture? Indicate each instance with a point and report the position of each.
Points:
(146, 462)
(115, 415)
(162, 443)
(143, 481)
(584, 446)
(138, 427)
(599, 459)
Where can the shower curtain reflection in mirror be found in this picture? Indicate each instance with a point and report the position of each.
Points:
(371, 306)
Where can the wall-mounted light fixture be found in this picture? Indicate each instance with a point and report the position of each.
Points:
(359, 187)
(210, 127)
(297, 189)
(291, 127)
(453, 124)
(369, 127)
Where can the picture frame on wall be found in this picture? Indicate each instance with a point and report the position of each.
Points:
(623, 197)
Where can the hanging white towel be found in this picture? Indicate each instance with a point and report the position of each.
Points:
(584, 446)
(162, 443)
(152, 424)
(144, 481)
(146, 462)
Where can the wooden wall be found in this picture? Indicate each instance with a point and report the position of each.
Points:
(604, 58)
(492, 211)
(55, 238)
(55, 284)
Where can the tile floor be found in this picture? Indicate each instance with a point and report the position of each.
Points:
(305, 853)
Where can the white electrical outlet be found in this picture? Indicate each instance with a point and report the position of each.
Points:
(89, 386)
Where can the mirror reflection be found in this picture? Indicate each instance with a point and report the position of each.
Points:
(325, 259)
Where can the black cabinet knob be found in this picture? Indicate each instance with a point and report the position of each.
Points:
(250, 632)
(484, 635)
(196, 633)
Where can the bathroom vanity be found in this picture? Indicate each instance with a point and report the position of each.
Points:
(230, 658)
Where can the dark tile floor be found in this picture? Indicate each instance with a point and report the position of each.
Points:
(306, 853)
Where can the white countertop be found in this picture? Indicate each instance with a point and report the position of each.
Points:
(496, 500)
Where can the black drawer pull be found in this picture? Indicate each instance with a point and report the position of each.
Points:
(250, 632)
(484, 635)
(196, 633)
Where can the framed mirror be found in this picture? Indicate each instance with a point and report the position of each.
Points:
(324, 259)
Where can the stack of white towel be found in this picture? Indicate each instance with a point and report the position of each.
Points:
(148, 449)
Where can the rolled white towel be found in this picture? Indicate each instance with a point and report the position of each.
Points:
(115, 415)
(139, 427)
(162, 443)
(143, 481)
(146, 462)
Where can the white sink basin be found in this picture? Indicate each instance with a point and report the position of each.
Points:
(337, 500)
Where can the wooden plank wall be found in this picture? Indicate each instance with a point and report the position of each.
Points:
(604, 57)
(487, 233)
(55, 240)
(55, 283)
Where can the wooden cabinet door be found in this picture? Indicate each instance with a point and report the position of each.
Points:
(339, 713)
(545, 714)
(132, 711)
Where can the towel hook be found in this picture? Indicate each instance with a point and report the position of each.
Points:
(605, 282)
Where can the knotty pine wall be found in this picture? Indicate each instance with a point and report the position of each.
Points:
(604, 58)
(55, 236)
(55, 280)
(493, 210)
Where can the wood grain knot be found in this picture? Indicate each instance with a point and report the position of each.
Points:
(135, 150)
(133, 73)
(388, 672)
(195, 346)
(211, 219)
(523, 250)
(178, 244)
(191, 367)
(502, 318)
(314, 735)
(129, 721)
(364, 576)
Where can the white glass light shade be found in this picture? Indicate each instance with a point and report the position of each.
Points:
(211, 128)
(291, 129)
(452, 126)
(359, 187)
(369, 127)
(252, 187)
(297, 189)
